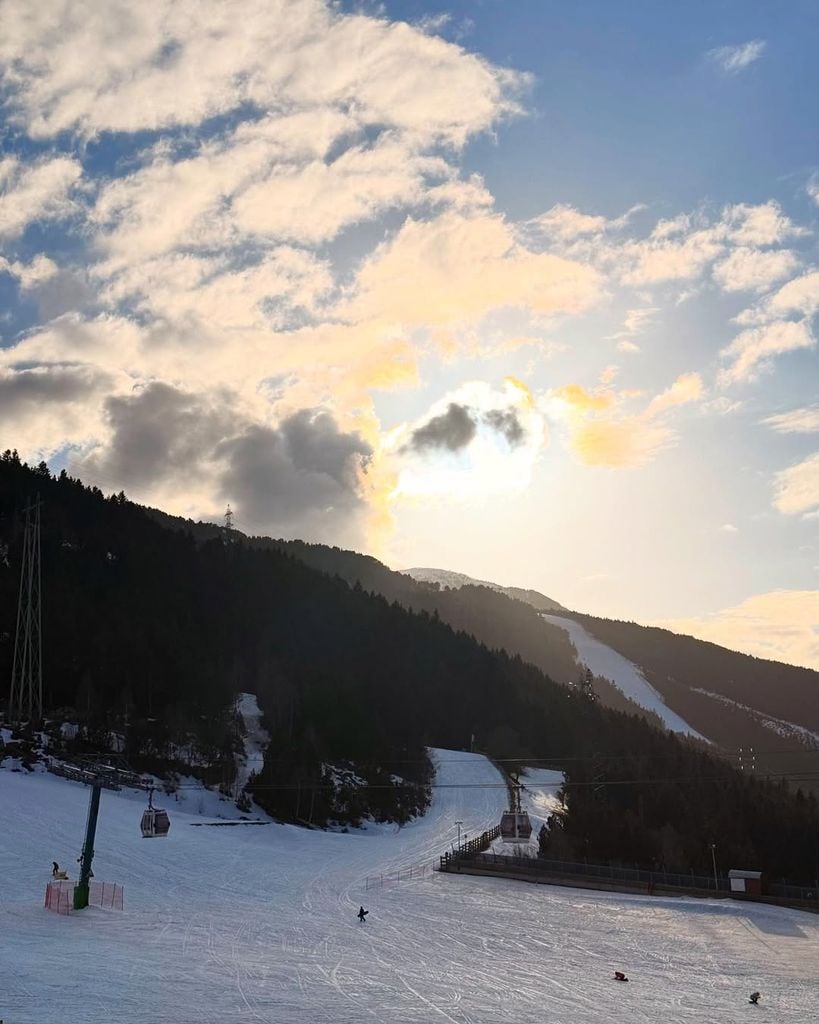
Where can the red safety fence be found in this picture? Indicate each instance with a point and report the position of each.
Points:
(105, 894)
(59, 896)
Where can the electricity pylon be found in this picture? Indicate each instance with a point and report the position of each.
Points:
(26, 700)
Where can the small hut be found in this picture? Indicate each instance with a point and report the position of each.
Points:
(745, 881)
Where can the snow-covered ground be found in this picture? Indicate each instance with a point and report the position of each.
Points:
(250, 924)
(603, 661)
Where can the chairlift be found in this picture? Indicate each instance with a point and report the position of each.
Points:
(155, 821)
(515, 826)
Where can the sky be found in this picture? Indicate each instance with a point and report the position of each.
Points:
(516, 288)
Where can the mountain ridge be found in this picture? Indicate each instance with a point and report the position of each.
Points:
(456, 580)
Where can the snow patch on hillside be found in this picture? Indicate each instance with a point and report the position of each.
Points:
(539, 794)
(788, 730)
(626, 676)
(256, 740)
(456, 580)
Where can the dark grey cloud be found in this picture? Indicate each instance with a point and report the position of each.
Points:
(506, 422)
(159, 433)
(452, 430)
(455, 428)
(302, 476)
(22, 390)
(298, 479)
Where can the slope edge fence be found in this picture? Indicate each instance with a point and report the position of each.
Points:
(473, 858)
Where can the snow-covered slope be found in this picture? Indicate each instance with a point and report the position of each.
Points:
(256, 740)
(788, 730)
(456, 580)
(246, 924)
(603, 661)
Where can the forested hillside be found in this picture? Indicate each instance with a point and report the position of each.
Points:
(767, 710)
(151, 634)
(783, 691)
(498, 620)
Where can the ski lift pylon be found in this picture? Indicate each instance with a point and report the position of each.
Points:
(155, 822)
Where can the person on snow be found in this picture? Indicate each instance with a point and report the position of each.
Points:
(619, 976)
(362, 913)
(55, 869)
(754, 998)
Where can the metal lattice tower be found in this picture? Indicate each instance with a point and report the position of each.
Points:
(26, 700)
(227, 537)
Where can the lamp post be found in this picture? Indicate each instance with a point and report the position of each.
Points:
(459, 823)
(714, 862)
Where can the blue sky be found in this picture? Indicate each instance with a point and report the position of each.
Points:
(522, 289)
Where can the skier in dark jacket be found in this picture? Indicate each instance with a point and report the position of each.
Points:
(619, 976)
(362, 913)
(754, 998)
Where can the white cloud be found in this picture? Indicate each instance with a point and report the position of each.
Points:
(782, 625)
(728, 528)
(686, 388)
(738, 57)
(754, 350)
(747, 269)
(627, 346)
(34, 191)
(453, 270)
(474, 442)
(31, 274)
(797, 421)
(668, 255)
(812, 188)
(179, 62)
(637, 320)
(566, 222)
(799, 296)
(763, 224)
(602, 433)
(797, 487)
(680, 249)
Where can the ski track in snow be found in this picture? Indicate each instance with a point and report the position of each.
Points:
(604, 661)
(257, 924)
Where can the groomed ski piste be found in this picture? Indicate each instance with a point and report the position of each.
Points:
(257, 924)
(605, 661)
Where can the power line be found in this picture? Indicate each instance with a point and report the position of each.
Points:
(532, 787)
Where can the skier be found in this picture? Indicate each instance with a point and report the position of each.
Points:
(55, 869)
(362, 913)
(619, 976)
(754, 998)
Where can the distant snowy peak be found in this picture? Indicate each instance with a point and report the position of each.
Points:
(456, 580)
